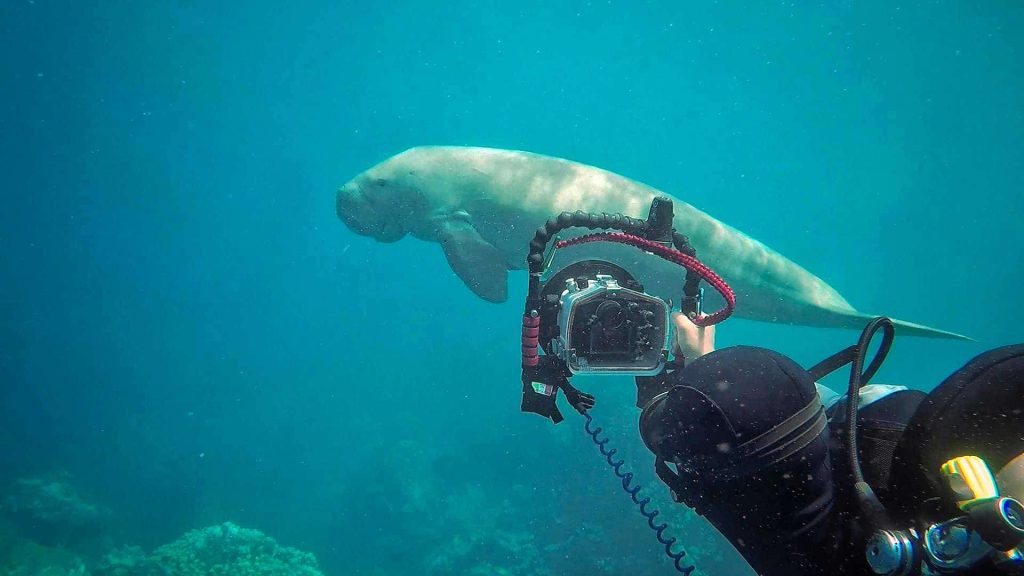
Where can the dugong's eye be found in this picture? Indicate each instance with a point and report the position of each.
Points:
(380, 182)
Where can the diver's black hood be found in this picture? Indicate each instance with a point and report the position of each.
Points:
(777, 512)
(721, 400)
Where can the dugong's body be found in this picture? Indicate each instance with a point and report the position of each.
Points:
(483, 206)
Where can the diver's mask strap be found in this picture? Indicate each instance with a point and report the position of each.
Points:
(775, 445)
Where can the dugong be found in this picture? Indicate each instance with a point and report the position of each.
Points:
(483, 206)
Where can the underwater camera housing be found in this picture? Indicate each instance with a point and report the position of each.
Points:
(593, 317)
(596, 318)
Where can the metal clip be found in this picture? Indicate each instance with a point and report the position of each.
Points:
(697, 301)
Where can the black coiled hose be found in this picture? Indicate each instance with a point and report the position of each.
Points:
(627, 485)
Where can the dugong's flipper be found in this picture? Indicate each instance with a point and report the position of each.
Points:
(480, 265)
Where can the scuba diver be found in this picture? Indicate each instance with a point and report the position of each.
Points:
(882, 480)
(759, 451)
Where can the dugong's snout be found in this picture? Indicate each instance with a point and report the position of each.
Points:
(359, 213)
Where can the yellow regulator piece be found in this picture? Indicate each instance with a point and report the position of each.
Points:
(970, 479)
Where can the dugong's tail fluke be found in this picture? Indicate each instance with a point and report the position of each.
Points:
(909, 328)
(912, 329)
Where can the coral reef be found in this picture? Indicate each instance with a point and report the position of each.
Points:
(123, 561)
(481, 537)
(50, 511)
(229, 550)
(223, 550)
(524, 512)
(487, 507)
(21, 557)
(45, 522)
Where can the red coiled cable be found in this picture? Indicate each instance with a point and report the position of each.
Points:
(674, 256)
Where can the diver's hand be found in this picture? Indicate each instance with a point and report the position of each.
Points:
(581, 401)
(691, 341)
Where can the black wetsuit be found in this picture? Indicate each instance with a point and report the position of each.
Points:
(756, 454)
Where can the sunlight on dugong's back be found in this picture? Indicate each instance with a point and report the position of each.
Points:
(482, 205)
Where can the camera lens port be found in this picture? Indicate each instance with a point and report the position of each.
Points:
(610, 314)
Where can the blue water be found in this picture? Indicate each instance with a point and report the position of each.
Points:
(190, 333)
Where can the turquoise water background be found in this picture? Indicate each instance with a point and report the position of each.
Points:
(188, 330)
